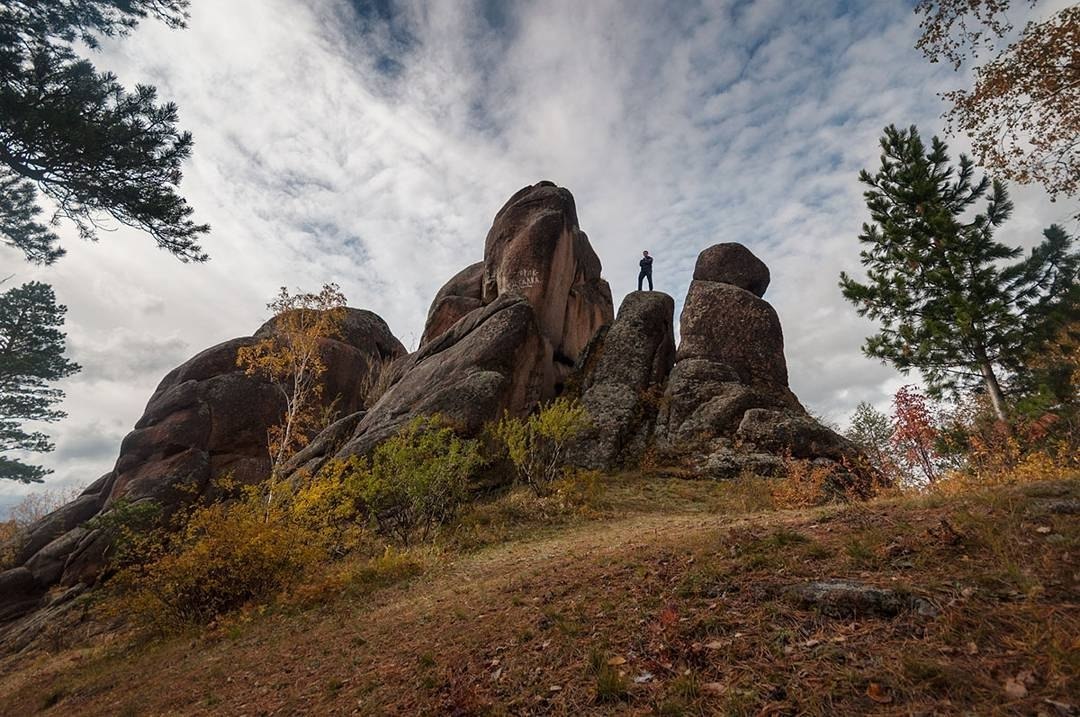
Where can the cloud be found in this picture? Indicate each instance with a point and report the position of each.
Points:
(122, 355)
(371, 143)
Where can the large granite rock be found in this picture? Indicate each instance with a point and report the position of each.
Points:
(728, 325)
(622, 381)
(491, 361)
(501, 336)
(535, 248)
(734, 264)
(206, 419)
(727, 409)
(533, 320)
(462, 294)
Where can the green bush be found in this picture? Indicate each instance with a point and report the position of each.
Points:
(537, 445)
(416, 481)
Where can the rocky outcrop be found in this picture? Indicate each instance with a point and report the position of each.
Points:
(533, 320)
(727, 409)
(502, 335)
(491, 361)
(621, 389)
(206, 419)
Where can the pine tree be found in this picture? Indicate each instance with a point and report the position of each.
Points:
(871, 430)
(31, 357)
(78, 137)
(962, 308)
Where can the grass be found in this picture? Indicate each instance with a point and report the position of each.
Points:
(657, 602)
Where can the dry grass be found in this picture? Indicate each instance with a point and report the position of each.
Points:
(657, 601)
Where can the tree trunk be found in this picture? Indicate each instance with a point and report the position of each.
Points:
(993, 388)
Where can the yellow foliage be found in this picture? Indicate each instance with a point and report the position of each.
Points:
(225, 556)
(358, 578)
(1009, 465)
(537, 445)
(804, 485)
(580, 492)
(291, 358)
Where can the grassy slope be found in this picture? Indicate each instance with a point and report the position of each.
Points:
(664, 585)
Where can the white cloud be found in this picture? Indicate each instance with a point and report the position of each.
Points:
(374, 152)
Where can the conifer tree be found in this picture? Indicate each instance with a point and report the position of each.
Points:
(31, 357)
(79, 137)
(954, 303)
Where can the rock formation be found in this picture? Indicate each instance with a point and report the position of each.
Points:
(724, 408)
(531, 321)
(501, 335)
(206, 419)
(623, 376)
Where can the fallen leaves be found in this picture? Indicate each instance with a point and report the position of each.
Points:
(878, 693)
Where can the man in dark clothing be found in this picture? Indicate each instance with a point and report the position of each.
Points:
(646, 270)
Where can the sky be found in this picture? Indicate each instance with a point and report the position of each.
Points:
(370, 143)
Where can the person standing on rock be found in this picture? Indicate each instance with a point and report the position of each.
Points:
(646, 270)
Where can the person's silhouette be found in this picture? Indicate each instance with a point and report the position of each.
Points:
(646, 270)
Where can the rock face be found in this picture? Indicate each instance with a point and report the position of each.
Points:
(462, 294)
(621, 389)
(727, 325)
(493, 360)
(501, 335)
(206, 419)
(536, 249)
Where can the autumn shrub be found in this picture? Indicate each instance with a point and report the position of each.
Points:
(580, 492)
(537, 445)
(358, 577)
(327, 505)
(9, 536)
(805, 484)
(225, 555)
(412, 484)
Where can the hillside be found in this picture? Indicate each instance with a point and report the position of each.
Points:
(669, 600)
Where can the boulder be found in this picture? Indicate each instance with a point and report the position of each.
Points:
(794, 434)
(731, 326)
(462, 294)
(623, 379)
(733, 264)
(727, 409)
